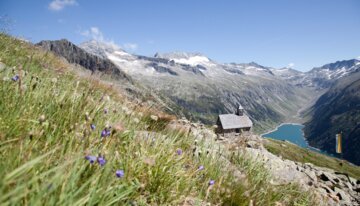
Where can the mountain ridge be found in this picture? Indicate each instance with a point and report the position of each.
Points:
(211, 88)
(77, 55)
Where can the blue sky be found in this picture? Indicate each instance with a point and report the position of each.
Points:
(277, 33)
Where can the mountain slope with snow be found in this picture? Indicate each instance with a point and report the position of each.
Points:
(320, 77)
(203, 88)
(192, 59)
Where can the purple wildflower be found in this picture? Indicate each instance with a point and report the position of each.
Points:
(179, 151)
(105, 133)
(106, 111)
(92, 126)
(211, 182)
(201, 167)
(91, 159)
(101, 160)
(120, 173)
(15, 78)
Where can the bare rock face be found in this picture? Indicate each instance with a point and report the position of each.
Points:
(332, 187)
(336, 188)
(76, 55)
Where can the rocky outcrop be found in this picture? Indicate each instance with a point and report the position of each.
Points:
(76, 55)
(331, 187)
(336, 188)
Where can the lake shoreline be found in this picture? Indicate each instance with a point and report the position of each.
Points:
(280, 126)
(292, 132)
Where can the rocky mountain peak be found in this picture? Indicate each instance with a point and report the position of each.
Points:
(254, 64)
(340, 64)
(327, 74)
(61, 42)
(77, 55)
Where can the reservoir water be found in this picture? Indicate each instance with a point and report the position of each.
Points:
(290, 132)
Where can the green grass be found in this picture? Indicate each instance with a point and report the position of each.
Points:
(298, 154)
(45, 134)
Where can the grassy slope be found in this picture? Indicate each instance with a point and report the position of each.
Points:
(298, 154)
(45, 133)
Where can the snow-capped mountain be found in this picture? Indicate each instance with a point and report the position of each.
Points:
(338, 69)
(319, 77)
(326, 75)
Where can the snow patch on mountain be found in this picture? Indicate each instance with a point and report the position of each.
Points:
(192, 59)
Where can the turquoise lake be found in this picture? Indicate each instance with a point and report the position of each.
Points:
(290, 132)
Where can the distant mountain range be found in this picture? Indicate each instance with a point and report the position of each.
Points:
(200, 88)
(204, 88)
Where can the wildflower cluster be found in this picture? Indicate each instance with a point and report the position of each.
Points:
(92, 159)
(106, 132)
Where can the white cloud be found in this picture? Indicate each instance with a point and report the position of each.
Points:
(358, 58)
(96, 34)
(290, 65)
(130, 46)
(58, 5)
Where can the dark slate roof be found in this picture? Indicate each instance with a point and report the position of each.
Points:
(232, 121)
